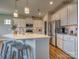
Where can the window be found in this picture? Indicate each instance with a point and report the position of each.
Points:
(7, 21)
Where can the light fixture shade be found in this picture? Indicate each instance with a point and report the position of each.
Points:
(39, 13)
(26, 10)
(51, 2)
(15, 14)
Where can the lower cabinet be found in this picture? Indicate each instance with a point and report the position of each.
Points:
(69, 47)
(68, 44)
(53, 40)
(60, 43)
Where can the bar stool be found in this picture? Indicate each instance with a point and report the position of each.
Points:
(28, 51)
(21, 52)
(30, 43)
(6, 48)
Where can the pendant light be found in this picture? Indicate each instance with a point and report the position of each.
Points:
(15, 14)
(39, 12)
(26, 10)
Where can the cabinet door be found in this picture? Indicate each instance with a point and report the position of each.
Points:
(56, 16)
(64, 16)
(60, 41)
(53, 39)
(72, 14)
(38, 26)
(19, 22)
(69, 46)
(76, 47)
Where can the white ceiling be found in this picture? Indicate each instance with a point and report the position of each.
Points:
(7, 6)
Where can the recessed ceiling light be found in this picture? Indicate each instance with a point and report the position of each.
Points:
(51, 2)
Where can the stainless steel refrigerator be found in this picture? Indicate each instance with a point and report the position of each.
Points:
(54, 28)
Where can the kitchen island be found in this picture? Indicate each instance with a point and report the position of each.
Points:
(38, 42)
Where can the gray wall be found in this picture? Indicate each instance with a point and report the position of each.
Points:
(4, 29)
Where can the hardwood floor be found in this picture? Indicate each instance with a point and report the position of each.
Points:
(56, 53)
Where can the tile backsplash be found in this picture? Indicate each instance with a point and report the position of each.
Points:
(72, 29)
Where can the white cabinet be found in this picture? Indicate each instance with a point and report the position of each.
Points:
(64, 13)
(69, 45)
(72, 14)
(63, 16)
(53, 40)
(19, 22)
(76, 47)
(38, 26)
(60, 41)
(56, 16)
(63, 22)
(29, 20)
(69, 15)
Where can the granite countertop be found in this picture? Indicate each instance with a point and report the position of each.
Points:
(25, 36)
(68, 34)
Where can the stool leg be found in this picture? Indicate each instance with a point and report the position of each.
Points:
(9, 52)
(2, 49)
(5, 55)
(29, 53)
(17, 54)
(25, 56)
(22, 54)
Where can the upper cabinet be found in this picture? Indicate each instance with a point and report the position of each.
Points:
(60, 14)
(72, 14)
(45, 17)
(63, 13)
(63, 16)
(38, 26)
(67, 15)
(19, 22)
(56, 16)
